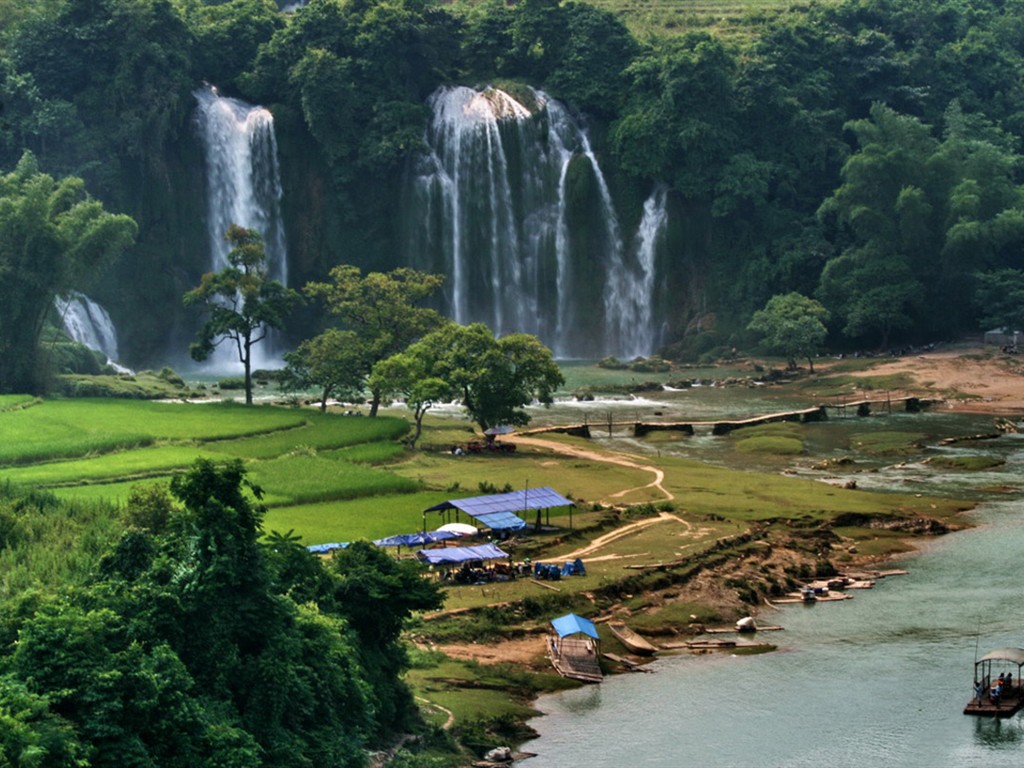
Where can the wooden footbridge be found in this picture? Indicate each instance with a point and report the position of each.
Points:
(863, 407)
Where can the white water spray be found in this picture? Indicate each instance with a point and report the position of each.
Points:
(243, 188)
(88, 323)
(488, 207)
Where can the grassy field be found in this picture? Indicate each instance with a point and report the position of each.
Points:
(335, 478)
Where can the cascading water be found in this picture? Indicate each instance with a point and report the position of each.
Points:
(243, 188)
(88, 323)
(629, 293)
(490, 206)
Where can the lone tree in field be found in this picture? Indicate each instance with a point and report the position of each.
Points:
(382, 309)
(494, 378)
(242, 301)
(333, 362)
(793, 325)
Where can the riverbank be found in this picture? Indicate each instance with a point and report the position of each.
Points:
(725, 574)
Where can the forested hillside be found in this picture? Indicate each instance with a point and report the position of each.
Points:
(863, 153)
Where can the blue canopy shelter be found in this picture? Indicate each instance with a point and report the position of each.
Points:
(455, 555)
(497, 511)
(573, 624)
(323, 549)
(414, 539)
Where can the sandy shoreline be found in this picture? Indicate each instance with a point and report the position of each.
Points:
(968, 377)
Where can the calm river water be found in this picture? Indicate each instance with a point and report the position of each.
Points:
(879, 680)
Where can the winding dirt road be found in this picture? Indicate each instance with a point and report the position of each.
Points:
(622, 460)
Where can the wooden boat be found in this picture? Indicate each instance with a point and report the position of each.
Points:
(633, 642)
(991, 699)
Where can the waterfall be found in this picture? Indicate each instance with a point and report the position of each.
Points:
(489, 206)
(243, 188)
(88, 323)
(629, 294)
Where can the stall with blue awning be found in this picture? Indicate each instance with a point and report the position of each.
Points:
(456, 555)
(497, 511)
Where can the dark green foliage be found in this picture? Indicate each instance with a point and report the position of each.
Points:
(195, 645)
(121, 67)
(1000, 299)
(377, 594)
(228, 36)
(52, 235)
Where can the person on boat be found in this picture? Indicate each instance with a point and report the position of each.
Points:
(1008, 683)
(979, 691)
(996, 692)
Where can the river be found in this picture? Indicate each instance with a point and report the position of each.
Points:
(880, 680)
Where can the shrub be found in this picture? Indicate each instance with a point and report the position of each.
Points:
(171, 377)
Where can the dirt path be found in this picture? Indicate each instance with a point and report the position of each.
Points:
(622, 460)
(625, 530)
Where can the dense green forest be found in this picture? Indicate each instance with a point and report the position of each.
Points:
(864, 153)
(188, 642)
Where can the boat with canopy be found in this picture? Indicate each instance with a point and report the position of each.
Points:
(997, 684)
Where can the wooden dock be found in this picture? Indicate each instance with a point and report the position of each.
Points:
(1009, 705)
(575, 658)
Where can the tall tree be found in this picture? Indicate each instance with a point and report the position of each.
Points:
(242, 301)
(382, 309)
(494, 377)
(1000, 299)
(334, 362)
(793, 325)
(52, 236)
(408, 375)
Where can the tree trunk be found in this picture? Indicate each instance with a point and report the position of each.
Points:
(247, 362)
(323, 400)
(375, 401)
(810, 363)
(419, 427)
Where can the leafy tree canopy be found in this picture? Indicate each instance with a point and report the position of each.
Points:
(52, 237)
(793, 325)
(382, 309)
(495, 378)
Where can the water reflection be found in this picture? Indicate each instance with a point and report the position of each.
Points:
(997, 733)
(586, 700)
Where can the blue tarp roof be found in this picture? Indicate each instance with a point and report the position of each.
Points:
(321, 549)
(571, 624)
(496, 510)
(414, 539)
(460, 554)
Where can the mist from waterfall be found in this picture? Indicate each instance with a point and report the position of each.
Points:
(88, 323)
(243, 188)
(489, 206)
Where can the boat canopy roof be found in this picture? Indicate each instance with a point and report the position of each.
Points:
(1016, 655)
(572, 624)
